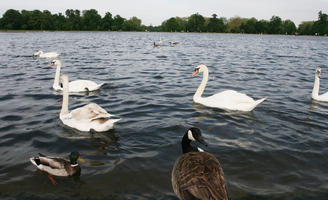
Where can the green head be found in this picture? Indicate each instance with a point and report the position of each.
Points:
(73, 157)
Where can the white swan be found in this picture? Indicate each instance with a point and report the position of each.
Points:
(46, 55)
(228, 99)
(86, 118)
(315, 91)
(74, 86)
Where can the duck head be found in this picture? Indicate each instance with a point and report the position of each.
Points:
(74, 157)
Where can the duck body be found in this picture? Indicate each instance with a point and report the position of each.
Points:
(196, 174)
(76, 86)
(227, 100)
(40, 54)
(56, 166)
(315, 92)
(202, 177)
(87, 118)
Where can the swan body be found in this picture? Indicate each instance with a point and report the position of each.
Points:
(46, 55)
(58, 166)
(158, 44)
(90, 117)
(197, 175)
(74, 86)
(228, 99)
(315, 91)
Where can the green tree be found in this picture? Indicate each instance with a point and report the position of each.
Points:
(233, 25)
(133, 24)
(262, 26)
(306, 28)
(288, 27)
(106, 22)
(275, 25)
(73, 20)
(249, 26)
(321, 25)
(171, 25)
(59, 21)
(196, 23)
(216, 25)
(118, 23)
(91, 20)
(11, 19)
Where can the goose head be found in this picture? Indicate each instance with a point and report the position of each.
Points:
(55, 62)
(193, 134)
(74, 157)
(38, 53)
(199, 68)
(318, 72)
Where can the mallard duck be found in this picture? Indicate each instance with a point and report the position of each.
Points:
(58, 166)
(196, 174)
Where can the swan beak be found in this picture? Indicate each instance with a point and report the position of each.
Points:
(81, 159)
(195, 72)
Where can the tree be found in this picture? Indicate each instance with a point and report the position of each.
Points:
(305, 28)
(133, 24)
(118, 23)
(249, 26)
(12, 20)
(196, 23)
(288, 27)
(171, 25)
(59, 21)
(234, 24)
(106, 22)
(275, 25)
(91, 20)
(262, 26)
(321, 26)
(215, 24)
(73, 20)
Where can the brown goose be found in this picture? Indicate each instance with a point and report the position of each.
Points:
(196, 174)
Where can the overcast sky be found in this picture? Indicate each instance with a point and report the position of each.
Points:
(154, 12)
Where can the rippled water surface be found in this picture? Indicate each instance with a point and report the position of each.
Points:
(277, 151)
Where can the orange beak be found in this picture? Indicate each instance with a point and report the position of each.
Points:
(195, 72)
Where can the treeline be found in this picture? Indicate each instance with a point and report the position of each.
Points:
(90, 20)
(73, 20)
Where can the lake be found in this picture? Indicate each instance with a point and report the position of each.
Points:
(277, 151)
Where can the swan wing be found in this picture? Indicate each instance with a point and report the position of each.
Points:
(89, 112)
(83, 86)
(231, 100)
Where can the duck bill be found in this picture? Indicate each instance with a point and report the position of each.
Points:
(81, 159)
(195, 72)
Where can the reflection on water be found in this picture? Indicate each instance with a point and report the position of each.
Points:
(278, 151)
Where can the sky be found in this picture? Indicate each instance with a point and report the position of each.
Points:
(154, 12)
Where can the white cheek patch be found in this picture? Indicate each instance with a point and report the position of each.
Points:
(200, 150)
(190, 136)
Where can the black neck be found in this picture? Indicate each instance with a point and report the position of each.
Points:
(186, 146)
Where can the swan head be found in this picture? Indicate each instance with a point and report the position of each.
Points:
(199, 68)
(38, 53)
(194, 134)
(318, 72)
(55, 62)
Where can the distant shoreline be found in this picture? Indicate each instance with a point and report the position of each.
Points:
(96, 31)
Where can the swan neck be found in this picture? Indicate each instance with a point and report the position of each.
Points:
(316, 86)
(57, 75)
(64, 109)
(202, 85)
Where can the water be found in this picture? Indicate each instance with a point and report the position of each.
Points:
(278, 151)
